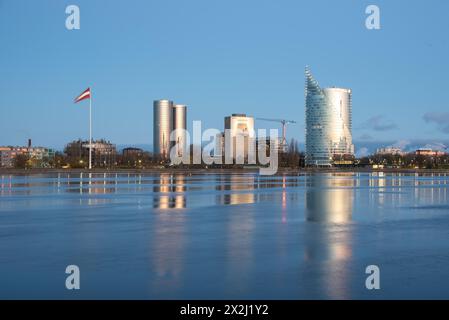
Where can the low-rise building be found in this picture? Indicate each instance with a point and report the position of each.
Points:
(429, 152)
(132, 152)
(390, 151)
(103, 152)
(39, 156)
(132, 157)
(8, 154)
(41, 153)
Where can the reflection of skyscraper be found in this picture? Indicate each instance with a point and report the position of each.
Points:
(179, 189)
(328, 124)
(167, 253)
(329, 198)
(328, 248)
(169, 192)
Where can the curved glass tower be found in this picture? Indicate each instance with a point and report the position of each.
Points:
(328, 124)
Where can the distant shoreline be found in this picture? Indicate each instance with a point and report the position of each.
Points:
(281, 171)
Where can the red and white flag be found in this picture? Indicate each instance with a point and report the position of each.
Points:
(84, 95)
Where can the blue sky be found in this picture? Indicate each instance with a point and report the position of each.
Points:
(219, 57)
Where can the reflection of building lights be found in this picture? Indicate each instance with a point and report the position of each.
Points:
(328, 200)
(284, 200)
(167, 251)
(169, 192)
(234, 183)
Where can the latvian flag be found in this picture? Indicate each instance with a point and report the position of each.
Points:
(84, 95)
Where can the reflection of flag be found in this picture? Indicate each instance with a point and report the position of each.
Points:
(84, 95)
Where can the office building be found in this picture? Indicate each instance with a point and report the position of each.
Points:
(162, 127)
(180, 125)
(167, 117)
(328, 124)
(241, 136)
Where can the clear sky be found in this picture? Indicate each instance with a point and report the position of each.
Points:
(219, 57)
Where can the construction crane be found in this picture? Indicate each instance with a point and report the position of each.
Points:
(284, 123)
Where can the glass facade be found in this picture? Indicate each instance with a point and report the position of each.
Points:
(328, 123)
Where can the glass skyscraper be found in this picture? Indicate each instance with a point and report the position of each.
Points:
(328, 124)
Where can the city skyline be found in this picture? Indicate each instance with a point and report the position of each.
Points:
(131, 60)
(233, 158)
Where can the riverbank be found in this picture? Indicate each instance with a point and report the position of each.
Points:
(281, 171)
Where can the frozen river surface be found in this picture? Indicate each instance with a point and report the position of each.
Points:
(224, 236)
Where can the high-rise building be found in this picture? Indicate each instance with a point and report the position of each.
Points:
(241, 135)
(166, 118)
(239, 124)
(328, 124)
(162, 127)
(180, 122)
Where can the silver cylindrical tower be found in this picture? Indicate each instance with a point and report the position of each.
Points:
(180, 125)
(162, 127)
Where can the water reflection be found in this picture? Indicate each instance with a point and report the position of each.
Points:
(236, 189)
(169, 192)
(292, 237)
(239, 249)
(328, 247)
(284, 200)
(6, 185)
(167, 252)
(329, 198)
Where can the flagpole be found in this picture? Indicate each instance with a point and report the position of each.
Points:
(90, 130)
